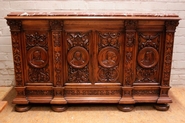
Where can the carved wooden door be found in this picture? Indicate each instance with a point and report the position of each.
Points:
(78, 49)
(109, 58)
(93, 52)
(148, 58)
(38, 65)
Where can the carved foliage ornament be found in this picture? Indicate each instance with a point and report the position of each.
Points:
(108, 74)
(131, 24)
(92, 92)
(36, 39)
(38, 75)
(146, 75)
(78, 75)
(167, 58)
(58, 68)
(15, 25)
(129, 50)
(108, 39)
(56, 24)
(17, 58)
(149, 41)
(78, 39)
(56, 36)
(171, 25)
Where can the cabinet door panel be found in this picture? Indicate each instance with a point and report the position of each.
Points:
(77, 57)
(109, 58)
(148, 63)
(38, 70)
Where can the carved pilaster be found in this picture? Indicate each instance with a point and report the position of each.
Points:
(15, 26)
(168, 51)
(130, 40)
(56, 32)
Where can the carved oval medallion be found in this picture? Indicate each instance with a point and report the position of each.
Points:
(148, 57)
(78, 57)
(108, 57)
(37, 57)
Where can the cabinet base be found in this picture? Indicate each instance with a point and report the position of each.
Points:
(22, 107)
(162, 107)
(59, 107)
(125, 107)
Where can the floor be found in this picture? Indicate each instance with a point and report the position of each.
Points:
(99, 113)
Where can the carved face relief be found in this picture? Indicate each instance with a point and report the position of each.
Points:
(37, 57)
(148, 57)
(78, 57)
(108, 57)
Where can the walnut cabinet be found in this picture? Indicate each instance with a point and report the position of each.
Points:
(64, 57)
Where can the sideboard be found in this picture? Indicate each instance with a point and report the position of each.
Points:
(92, 57)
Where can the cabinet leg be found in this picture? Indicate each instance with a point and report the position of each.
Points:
(59, 107)
(125, 107)
(22, 107)
(162, 107)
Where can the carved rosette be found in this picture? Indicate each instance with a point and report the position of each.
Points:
(78, 56)
(37, 57)
(108, 56)
(148, 58)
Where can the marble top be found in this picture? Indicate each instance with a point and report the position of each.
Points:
(91, 13)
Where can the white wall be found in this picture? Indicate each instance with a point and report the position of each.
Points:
(143, 6)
